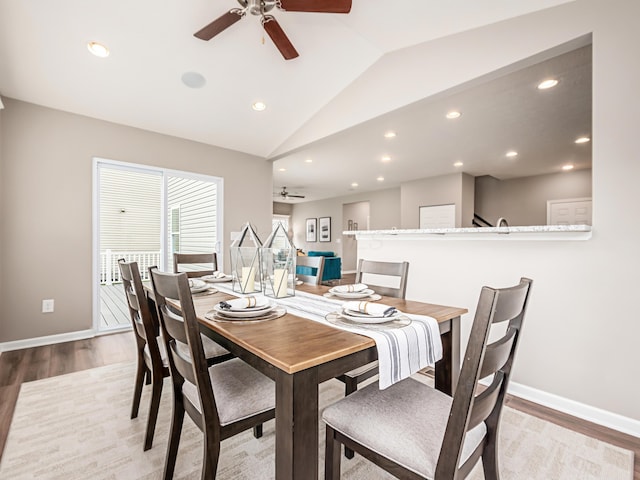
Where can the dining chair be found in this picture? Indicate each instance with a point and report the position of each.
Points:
(413, 430)
(195, 264)
(152, 364)
(222, 400)
(151, 360)
(381, 275)
(387, 273)
(312, 269)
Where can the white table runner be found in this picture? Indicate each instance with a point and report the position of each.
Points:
(401, 351)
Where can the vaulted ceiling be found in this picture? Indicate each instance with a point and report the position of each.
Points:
(44, 60)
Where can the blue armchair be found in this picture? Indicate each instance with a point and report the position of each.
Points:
(332, 265)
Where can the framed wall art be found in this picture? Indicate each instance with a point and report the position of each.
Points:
(312, 233)
(325, 229)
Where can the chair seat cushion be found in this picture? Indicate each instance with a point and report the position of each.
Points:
(404, 423)
(240, 391)
(163, 352)
(211, 349)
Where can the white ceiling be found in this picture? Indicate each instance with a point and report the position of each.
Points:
(44, 60)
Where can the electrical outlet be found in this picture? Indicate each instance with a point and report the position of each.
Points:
(47, 305)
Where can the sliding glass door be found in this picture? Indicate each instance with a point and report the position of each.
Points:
(145, 214)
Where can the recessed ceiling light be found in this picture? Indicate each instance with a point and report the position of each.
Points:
(549, 83)
(458, 164)
(282, 169)
(567, 167)
(583, 140)
(354, 184)
(453, 114)
(193, 79)
(511, 154)
(98, 49)
(259, 106)
(386, 158)
(308, 160)
(389, 134)
(380, 178)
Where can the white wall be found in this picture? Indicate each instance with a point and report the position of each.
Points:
(581, 338)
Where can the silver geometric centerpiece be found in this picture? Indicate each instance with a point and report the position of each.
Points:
(279, 264)
(246, 264)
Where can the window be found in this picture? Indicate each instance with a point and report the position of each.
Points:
(175, 229)
(284, 219)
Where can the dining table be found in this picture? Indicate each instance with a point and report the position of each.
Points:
(299, 354)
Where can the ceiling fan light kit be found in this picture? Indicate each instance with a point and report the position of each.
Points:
(261, 8)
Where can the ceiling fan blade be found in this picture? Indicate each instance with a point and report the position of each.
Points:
(278, 36)
(318, 6)
(219, 24)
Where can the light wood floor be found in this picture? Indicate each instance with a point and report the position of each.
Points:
(47, 361)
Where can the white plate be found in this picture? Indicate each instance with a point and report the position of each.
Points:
(360, 294)
(343, 321)
(261, 303)
(271, 314)
(212, 279)
(245, 312)
(364, 318)
(197, 285)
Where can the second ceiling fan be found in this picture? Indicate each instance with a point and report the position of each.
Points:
(261, 8)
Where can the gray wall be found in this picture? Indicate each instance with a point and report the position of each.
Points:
(46, 201)
(2, 213)
(384, 213)
(359, 213)
(523, 201)
(456, 188)
(280, 208)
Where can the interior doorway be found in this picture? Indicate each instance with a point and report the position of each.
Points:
(145, 214)
(355, 216)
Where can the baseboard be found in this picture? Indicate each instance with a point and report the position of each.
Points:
(585, 412)
(48, 340)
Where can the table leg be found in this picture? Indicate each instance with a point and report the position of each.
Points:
(448, 368)
(297, 425)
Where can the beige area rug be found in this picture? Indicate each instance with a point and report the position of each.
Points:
(77, 426)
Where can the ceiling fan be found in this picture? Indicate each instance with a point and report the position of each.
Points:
(284, 194)
(260, 8)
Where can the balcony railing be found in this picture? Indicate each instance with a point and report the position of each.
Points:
(109, 271)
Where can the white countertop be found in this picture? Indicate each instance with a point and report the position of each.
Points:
(537, 232)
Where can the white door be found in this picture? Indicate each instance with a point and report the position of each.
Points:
(571, 211)
(438, 216)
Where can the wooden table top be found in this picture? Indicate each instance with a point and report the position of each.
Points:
(293, 343)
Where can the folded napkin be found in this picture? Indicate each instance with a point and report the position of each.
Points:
(370, 308)
(356, 287)
(193, 283)
(218, 274)
(244, 302)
